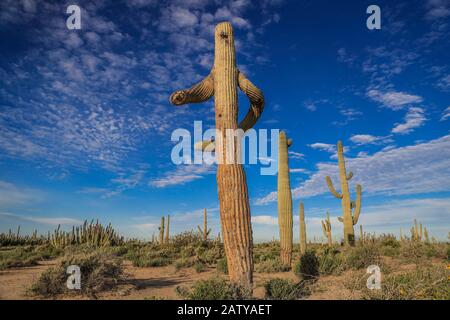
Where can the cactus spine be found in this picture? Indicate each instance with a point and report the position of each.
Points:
(205, 231)
(167, 229)
(161, 231)
(302, 229)
(349, 219)
(284, 201)
(222, 82)
(326, 228)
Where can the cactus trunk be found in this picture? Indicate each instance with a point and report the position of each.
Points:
(302, 229)
(349, 218)
(326, 228)
(167, 229)
(161, 231)
(223, 82)
(284, 201)
(205, 231)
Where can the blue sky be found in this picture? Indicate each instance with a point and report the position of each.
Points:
(85, 122)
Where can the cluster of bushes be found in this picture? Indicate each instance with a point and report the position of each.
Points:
(26, 256)
(213, 289)
(99, 272)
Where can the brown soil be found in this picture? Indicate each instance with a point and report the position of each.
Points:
(158, 283)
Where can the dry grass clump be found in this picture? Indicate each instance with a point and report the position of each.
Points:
(98, 273)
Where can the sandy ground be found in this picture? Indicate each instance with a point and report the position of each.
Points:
(159, 282)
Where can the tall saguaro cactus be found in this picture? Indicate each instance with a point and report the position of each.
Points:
(223, 82)
(161, 231)
(326, 228)
(302, 229)
(284, 200)
(349, 218)
(205, 231)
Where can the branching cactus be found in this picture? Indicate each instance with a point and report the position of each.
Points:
(161, 231)
(205, 231)
(223, 82)
(349, 218)
(302, 229)
(326, 228)
(167, 229)
(284, 201)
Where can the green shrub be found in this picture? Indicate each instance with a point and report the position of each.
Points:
(98, 273)
(389, 251)
(213, 289)
(271, 266)
(282, 289)
(330, 261)
(26, 256)
(362, 256)
(222, 265)
(429, 283)
(210, 255)
(199, 266)
(183, 263)
(308, 266)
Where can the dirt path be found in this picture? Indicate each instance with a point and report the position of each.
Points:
(15, 282)
(158, 283)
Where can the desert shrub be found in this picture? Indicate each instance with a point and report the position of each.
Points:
(416, 250)
(98, 273)
(362, 256)
(151, 256)
(210, 255)
(213, 289)
(389, 240)
(422, 283)
(448, 253)
(389, 251)
(308, 266)
(271, 266)
(330, 261)
(185, 239)
(266, 251)
(26, 256)
(199, 266)
(222, 265)
(282, 289)
(188, 251)
(183, 263)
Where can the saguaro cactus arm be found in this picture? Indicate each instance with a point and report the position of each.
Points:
(332, 189)
(349, 176)
(357, 210)
(200, 92)
(256, 98)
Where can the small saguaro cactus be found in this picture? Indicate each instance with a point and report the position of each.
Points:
(326, 228)
(349, 219)
(161, 231)
(223, 82)
(205, 231)
(167, 229)
(284, 201)
(361, 234)
(302, 229)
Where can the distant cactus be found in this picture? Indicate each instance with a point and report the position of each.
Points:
(419, 233)
(205, 231)
(284, 201)
(302, 229)
(223, 82)
(161, 231)
(167, 230)
(326, 229)
(349, 219)
(361, 234)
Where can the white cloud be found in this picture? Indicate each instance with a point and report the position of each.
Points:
(323, 146)
(182, 175)
(416, 169)
(394, 99)
(268, 220)
(445, 114)
(44, 220)
(414, 118)
(296, 155)
(12, 195)
(362, 139)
